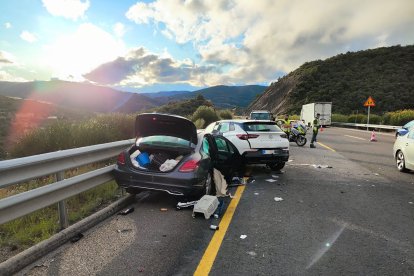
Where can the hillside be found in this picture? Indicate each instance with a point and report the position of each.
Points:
(81, 96)
(18, 116)
(222, 96)
(386, 74)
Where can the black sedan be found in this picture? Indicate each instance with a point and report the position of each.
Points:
(171, 155)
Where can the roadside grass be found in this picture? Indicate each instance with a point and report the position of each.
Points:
(24, 232)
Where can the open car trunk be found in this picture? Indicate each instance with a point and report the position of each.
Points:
(161, 159)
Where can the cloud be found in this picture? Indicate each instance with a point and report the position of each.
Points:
(7, 25)
(119, 29)
(5, 58)
(71, 9)
(6, 76)
(255, 39)
(79, 52)
(140, 68)
(27, 36)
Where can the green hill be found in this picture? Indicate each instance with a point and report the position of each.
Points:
(386, 74)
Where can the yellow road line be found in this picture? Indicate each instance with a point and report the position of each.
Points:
(325, 146)
(210, 254)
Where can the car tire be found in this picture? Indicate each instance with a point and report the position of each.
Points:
(277, 166)
(209, 187)
(400, 161)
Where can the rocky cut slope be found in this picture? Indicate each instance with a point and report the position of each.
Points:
(346, 80)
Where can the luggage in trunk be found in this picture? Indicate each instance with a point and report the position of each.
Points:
(160, 159)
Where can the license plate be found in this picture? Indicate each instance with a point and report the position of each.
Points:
(268, 151)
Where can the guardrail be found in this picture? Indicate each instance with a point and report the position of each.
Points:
(22, 169)
(366, 126)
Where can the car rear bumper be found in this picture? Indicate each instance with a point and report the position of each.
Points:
(258, 157)
(183, 186)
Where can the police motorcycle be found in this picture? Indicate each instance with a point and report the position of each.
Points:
(296, 135)
(296, 132)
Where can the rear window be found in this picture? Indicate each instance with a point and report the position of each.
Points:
(165, 141)
(261, 116)
(260, 126)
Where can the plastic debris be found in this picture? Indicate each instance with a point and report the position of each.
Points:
(275, 176)
(206, 205)
(271, 180)
(123, 230)
(410, 202)
(252, 253)
(163, 209)
(216, 216)
(256, 193)
(76, 238)
(126, 211)
(278, 199)
(322, 166)
(181, 205)
(214, 227)
(377, 174)
(243, 237)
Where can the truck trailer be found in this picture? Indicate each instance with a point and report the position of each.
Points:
(310, 110)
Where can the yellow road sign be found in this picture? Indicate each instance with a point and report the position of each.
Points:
(369, 102)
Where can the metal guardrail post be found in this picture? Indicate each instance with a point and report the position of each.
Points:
(63, 213)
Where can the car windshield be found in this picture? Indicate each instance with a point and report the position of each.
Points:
(260, 116)
(165, 141)
(409, 125)
(259, 126)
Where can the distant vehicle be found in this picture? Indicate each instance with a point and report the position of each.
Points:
(261, 115)
(309, 112)
(404, 151)
(173, 157)
(404, 130)
(258, 142)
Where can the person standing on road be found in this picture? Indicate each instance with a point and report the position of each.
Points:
(316, 127)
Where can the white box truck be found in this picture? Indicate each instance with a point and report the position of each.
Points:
(309, 112)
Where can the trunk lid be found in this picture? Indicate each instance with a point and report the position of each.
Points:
(151, 124)
(265, 135)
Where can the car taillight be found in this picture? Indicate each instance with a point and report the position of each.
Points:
(189, 166)
(247, 136)
(121, 158)
(283, 136)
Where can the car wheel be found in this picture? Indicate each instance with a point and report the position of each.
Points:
(209, 185)
(400, 161)
(277, 166)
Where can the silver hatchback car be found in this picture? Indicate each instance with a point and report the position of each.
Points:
(404, 151)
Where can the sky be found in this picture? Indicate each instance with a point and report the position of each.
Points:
(166, 45)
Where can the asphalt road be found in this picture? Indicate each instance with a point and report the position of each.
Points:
(356, 218)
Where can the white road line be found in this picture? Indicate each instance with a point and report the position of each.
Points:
(356, 137)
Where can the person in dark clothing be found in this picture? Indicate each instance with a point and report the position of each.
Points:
(316, 127)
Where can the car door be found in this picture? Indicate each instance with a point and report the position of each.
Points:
(409, 150)
(225, 156)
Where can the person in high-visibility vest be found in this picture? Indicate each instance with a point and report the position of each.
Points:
(315, 129)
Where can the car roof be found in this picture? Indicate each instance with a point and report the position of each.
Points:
(243, 121)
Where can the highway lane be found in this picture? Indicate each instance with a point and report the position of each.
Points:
(343, 220)
(376, 156)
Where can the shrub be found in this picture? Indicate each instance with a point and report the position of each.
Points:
(225, 114)
(207, 113)
(339, 118)
(400, 117)
(66, 135)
